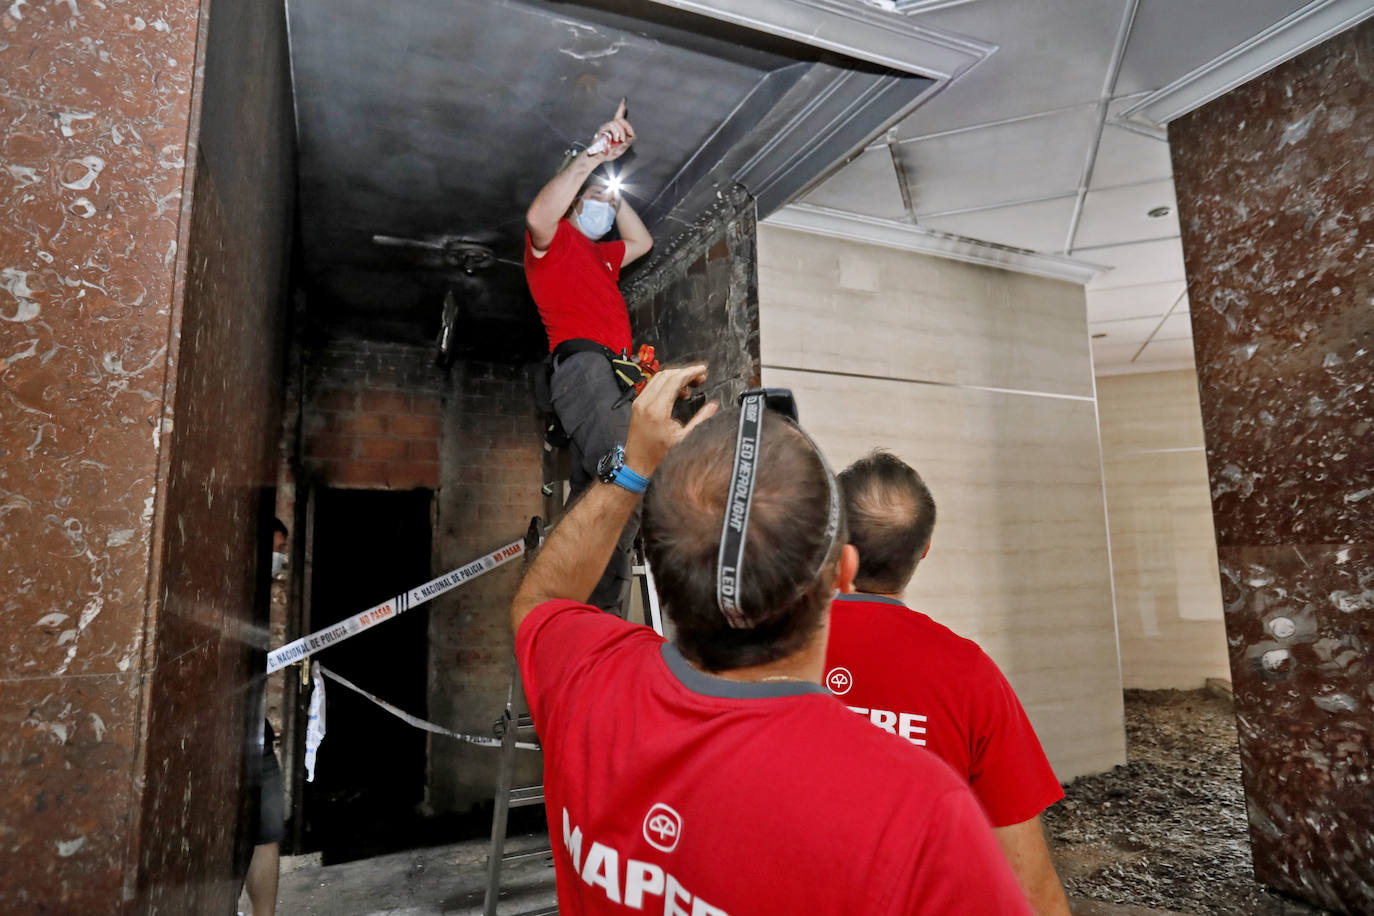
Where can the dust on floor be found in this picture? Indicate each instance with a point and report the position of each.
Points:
(1167, 829)
(1166, 833)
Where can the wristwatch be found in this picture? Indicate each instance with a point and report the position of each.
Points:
(611, 469)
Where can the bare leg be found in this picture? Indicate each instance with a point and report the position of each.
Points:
(261, 882)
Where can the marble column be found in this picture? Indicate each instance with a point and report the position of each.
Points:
(145, 178)
(1275, 187)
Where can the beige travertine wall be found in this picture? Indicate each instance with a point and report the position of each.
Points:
(982, 380)
(1168, 592)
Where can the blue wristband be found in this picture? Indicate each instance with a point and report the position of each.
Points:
(631, 481)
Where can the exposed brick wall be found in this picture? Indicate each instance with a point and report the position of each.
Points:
(489, 489)
(384, 416)
(697, 301)
(372, 416)
(699, 298)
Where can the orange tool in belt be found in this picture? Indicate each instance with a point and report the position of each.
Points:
(634, 373)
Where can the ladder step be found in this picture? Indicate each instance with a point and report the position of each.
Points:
(526, 795)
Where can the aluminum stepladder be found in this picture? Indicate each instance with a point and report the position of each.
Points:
(508, 729)
(512, 722)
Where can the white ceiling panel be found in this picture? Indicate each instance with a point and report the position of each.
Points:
(1126, 157)
(998, 155)
(1135, 264)
(867, 185)
(1052, 54)
(1118, 215)
(1035, 226)
(1107, 355)
(1172, 37)
(1135, 330)
(1180, 350)
(1022, 160)
(1153, 299)
(1177, 326)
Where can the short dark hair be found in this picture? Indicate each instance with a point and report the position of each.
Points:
(891, 517)
(279, 527)
(788, 571)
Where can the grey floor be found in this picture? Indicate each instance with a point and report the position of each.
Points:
(425, 882)
(450, 880)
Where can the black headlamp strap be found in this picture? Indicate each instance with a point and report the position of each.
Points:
(730, 561)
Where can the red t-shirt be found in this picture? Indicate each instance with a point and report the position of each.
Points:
(575, 286)
(672, 791)
(917, 679)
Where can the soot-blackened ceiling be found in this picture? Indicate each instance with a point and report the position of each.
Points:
(439, 120)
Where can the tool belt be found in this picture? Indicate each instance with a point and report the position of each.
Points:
(631, 374)
(634, 374)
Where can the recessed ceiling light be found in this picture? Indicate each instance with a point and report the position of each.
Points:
(1099, 335)
(1159, 212)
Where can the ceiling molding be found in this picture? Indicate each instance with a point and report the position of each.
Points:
(916, 7)
(1137, 127)
(791, 129)
(893, 234)
(854, 30)
(1285, 39)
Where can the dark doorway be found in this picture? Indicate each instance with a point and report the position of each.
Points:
(370, 771)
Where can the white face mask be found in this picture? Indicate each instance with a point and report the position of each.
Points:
(595, 218)
(278, 563)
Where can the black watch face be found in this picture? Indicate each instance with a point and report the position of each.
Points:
(609, 464)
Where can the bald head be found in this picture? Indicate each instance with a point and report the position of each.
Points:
(891, 516)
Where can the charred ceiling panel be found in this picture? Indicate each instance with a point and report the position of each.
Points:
(437, 121)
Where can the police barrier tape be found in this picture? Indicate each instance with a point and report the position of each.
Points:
(334, 633)
(416, 720)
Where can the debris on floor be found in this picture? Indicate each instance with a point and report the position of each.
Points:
(1168, 829)
(1165, 834)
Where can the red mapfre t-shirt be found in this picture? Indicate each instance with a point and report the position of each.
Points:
(575, 285)
(670, 791)
(919, 680)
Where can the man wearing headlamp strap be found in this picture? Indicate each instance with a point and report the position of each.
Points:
(715, 775)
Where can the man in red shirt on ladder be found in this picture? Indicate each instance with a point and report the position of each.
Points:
(917, 679)
(714, 775)
(574, 279)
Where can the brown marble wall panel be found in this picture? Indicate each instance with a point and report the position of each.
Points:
(205, 675)
(1278, 179)
(117, 697)
(67, 758)
(91, 171)
(133, 60)
(1300, 621)
(85, 295)
(195, 768)
(1275, 185)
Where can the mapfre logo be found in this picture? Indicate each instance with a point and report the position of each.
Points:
(839, 680)
(663, 827)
